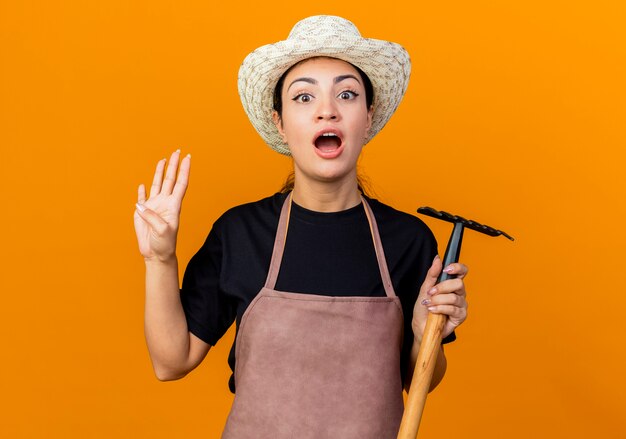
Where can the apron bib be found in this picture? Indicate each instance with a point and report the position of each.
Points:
(318, 367)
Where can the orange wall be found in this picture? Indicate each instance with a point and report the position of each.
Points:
(514, 116)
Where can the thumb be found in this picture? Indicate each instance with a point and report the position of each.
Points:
(153, 219)
(432, 275)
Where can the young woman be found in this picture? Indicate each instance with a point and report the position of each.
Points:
(329, 288)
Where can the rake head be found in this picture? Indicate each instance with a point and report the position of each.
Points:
(455, 219)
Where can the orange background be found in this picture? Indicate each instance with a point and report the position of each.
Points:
(514, 117)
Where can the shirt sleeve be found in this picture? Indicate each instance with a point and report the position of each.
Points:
(208, 309)
(449, 339)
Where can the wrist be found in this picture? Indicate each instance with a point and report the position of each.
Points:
(153, 261)
(417, 338)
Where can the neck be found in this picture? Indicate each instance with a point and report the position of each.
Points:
(326, 197)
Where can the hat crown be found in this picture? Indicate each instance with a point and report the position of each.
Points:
(323, 25)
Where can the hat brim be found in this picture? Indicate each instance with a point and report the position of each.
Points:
(387, 65)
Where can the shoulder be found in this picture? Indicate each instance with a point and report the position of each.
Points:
(260, 213)
(398, 225)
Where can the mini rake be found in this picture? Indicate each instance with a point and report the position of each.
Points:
(431, 340)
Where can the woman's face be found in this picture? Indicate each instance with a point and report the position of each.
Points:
(325, 119)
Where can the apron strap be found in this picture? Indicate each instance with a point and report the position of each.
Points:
(281, 236)
(380, 254)
(279, 243)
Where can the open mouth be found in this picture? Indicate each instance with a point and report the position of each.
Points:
(327, 142)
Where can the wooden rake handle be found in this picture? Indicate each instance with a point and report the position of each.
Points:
(429, 348)
(422, 376)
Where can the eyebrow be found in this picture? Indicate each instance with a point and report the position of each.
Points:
(337, 80)
(309, 80)
(343, 77)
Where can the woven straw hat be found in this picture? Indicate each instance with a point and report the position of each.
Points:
(387, 65)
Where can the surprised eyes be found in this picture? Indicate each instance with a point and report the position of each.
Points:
(305, 98)
(348, 94)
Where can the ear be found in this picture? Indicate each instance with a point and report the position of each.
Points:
(370, 115)
(279, 125)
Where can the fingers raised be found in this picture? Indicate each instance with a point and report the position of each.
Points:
(183, 177)
(155, 189)
(170, 174)
(170, 185)
(141, 194)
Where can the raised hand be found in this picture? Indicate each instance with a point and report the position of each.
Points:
(157, 218)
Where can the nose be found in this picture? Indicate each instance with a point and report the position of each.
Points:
(327, 116)
(327, 110)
